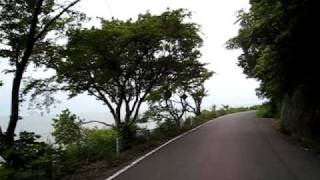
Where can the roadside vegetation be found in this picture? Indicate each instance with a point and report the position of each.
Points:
(278, 50)
(82, 152)
(267, 110)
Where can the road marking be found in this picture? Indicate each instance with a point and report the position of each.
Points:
(155, 150)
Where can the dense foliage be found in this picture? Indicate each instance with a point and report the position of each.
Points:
(277, 41)
(67, 129)
(29, 159)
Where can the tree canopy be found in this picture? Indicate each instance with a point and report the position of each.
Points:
(122, 62)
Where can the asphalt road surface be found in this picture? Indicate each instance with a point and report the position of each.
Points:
(233, 147)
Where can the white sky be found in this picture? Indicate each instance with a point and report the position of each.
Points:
(228, 86)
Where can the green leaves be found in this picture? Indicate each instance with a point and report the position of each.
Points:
(257, 37)
(123, 62)
(30, 158)
(15, 23)
(67, 129)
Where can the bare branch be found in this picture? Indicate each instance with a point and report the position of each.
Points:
(95, 121)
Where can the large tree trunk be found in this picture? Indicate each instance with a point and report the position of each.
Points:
(14, 110)
(127, 135)
(197, 109)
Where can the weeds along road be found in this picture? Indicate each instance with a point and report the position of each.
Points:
(233, 147)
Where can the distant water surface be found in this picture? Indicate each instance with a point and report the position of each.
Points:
(42, 125)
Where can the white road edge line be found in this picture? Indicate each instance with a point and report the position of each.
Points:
(154, 150)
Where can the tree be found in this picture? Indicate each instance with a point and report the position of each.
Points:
(167, 105)
(67, 128)
(169, 102)
(277, 42)
(25, 28)
(197, 90)
(197, 95)
(123, 61)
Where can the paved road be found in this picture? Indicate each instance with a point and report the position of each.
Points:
(233, 147)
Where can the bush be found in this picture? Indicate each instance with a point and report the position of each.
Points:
(81, 146)
(66, 129)
(29, 158)
(99, 144)
(168, 129)
(95, 145)
(267, 110)
(205, 115)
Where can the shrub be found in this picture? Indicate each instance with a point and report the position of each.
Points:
(67, 129)
(99, 144)
(79, 145)
(267, 110)
(29, 158)
(205, 115)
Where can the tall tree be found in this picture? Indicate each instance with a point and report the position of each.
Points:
(123, 61)
(25, 28)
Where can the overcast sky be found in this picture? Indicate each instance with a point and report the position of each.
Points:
(227, 86)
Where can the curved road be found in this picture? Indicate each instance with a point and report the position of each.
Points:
(233, 147)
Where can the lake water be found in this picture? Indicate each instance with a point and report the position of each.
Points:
(42, 125)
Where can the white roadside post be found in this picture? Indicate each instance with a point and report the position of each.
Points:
(118, 145)
(191, 121)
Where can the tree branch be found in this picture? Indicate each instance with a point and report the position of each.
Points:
(120, 100)
(141, 100)
(192, 108)
(46, 27)
(135, 103)
(128, 112)
(103, 98)
(184, 107)
(95, 121)
(171, 111)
